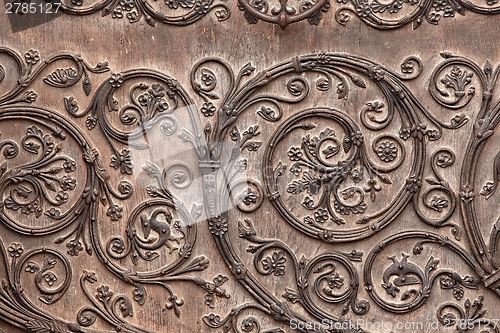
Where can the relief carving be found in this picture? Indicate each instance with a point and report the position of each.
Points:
(335, 175)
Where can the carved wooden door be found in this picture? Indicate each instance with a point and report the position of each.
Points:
(252, 166)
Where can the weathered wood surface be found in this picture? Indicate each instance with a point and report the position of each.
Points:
(376, 132)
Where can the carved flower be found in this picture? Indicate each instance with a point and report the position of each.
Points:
(32, 267)
(387, 151)
(116, 80)
(127, 4)
(404, 133)
(308, 202)
(321, 215)
(117, 246)
(53, 212)
(413, 184)
(467, 194)
(447, 282)
(68, 183)
(202, 6)
(91, 122)
(74, 247)
(275, 264)
(241, 165)
(294, 153)
(104, 293)
(32, 57)
(434, 17)
(15, 250)
(62, 197)
(439, 4)
(144, 99)
(376, 73)
(407, 67)
(207, 78)
(217, 225)
(458, 292)
(363, 9)
(356, 175)
(132, 16)
(30, 96)
(117, 12)
(69, 166)
(305, 5)
(357, 138)
(114, 212)
(162, 105)
(444, 160)
(308, 220)
(438, 203)
(123, 161)
(50, 278)
(90, 276)
(250, 196)
(296, 169)
(208, 109)
(157, 90)
(335, 281)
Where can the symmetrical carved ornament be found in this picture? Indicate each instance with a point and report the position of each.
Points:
(375, 13)
(325, 170)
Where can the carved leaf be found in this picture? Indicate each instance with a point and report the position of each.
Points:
(50, 185)
(39, 326)
(185, 251)
(431, 264)
(235, 134)
(62, 78)
(446, 54)
(71, 105)
(384, 179)
(268, 113)
(296, 187)
(358, 81)
(140, 294)
(291, 295)
(247, 69)
(252, 145)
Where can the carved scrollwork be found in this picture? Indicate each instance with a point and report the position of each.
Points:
(442, 158)
(398, 13)
(284, 13)
(318, 275)
(133, 11)
(416, 282)
(43, 187)
(21, 311)
(466, 318)
(325, 169)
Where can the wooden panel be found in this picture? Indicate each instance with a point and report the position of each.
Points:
(252, 167)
